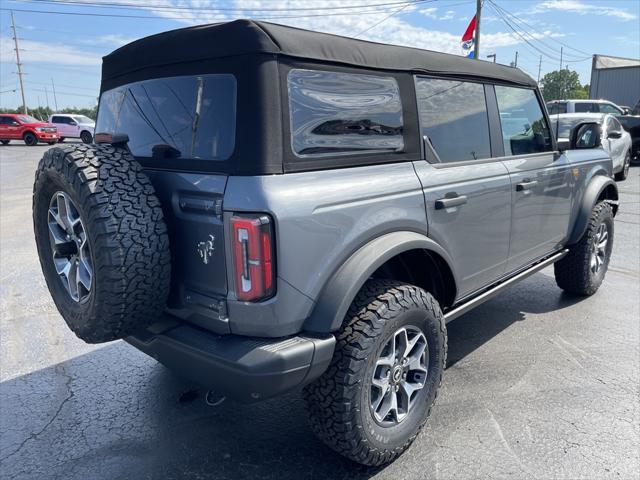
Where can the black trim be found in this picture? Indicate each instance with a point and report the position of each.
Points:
(244, 368)
(495, 126)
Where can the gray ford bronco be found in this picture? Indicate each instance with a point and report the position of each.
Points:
(267, 208)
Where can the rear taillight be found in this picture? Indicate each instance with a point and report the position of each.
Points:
(253, 244)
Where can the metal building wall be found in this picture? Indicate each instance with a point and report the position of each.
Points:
(619, 85)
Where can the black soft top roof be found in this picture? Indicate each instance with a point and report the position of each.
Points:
(242, 37)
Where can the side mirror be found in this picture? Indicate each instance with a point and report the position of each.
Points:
(626, 111)
(615, 134)
(586, 135)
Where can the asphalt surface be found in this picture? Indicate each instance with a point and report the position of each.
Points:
(539, 385)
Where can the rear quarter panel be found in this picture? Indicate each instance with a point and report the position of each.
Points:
(323, 217)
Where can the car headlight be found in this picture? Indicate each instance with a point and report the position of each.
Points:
(40, 129)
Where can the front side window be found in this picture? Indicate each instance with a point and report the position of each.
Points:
(190, 117)
(335, 113)
(453, 118)
(608, 108)
(524, 128)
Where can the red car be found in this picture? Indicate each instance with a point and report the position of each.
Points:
(16, 126)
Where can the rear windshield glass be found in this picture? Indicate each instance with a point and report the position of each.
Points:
(336, 113)
(190, 117)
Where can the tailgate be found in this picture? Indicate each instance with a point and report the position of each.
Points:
(192, 206)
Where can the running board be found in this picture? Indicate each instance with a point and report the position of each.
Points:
(493, 291)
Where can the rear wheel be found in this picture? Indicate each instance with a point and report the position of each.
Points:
(583, 269)
(624, 173)
(51, 143)
(30, 139)
(86, 137)
(61, 139)
(378, 391)
(102, 241)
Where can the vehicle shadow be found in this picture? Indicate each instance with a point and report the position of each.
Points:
(115, 413)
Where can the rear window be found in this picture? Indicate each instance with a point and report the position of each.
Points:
(190, 117)
(584, 107)
(336, 113)
(556, 108)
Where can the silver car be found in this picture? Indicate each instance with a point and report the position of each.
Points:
(615, 140)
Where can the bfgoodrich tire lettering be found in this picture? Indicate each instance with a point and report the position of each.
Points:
(339, 401)
(577, 273)
(128, 239)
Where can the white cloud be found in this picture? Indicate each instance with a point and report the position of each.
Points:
(448, 15)
(580, 8)
(429, 12)
(36, 52)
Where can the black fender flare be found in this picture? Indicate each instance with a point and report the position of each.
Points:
(594, 189)
(343, 286)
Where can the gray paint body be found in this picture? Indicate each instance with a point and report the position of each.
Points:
(329, 225)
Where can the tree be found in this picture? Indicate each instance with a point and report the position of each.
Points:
(563, 84)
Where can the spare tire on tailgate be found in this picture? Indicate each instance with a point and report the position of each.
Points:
(102, 240)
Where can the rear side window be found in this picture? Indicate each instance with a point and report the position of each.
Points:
(453, 117)
(190, 117)
(585, 107)
(524, 128)
(58, 120)
(335, 113)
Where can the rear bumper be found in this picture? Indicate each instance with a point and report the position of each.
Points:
(244, 368)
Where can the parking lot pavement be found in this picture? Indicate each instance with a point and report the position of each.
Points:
(539, 385)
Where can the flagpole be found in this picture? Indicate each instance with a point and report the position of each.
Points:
(476, 53)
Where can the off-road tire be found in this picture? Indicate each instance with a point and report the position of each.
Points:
(337, 402)
(127, 237)
(573, 272)
(30, 139)
(624, 173)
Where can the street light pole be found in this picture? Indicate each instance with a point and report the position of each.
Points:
(18, 63)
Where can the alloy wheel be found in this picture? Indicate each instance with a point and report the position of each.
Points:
(599, 250)
(399, 374)
(70, 246)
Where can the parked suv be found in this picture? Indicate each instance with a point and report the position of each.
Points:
(274, 208)
(74, 126)
(585, 106)
(16, 126)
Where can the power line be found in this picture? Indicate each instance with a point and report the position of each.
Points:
(127, 5)
(381, 21)
(155, 17)
(506, 16)
(514, 16)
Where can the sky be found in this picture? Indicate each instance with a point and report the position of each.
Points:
(66, 50)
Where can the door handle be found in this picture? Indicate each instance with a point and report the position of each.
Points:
(526, 185)
(449, 202)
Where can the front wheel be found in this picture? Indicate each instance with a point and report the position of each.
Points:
(378, 391)
(5, 142)
(30, 139)
(86, 137)
(624, 173)
(582, 270)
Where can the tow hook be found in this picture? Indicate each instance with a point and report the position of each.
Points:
(213, 398)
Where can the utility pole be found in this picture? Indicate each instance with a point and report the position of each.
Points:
(493, 55)
(18, 63)
(476, 52)
(55, 99)
(561, 77)
(539, 68)
(46, 95)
